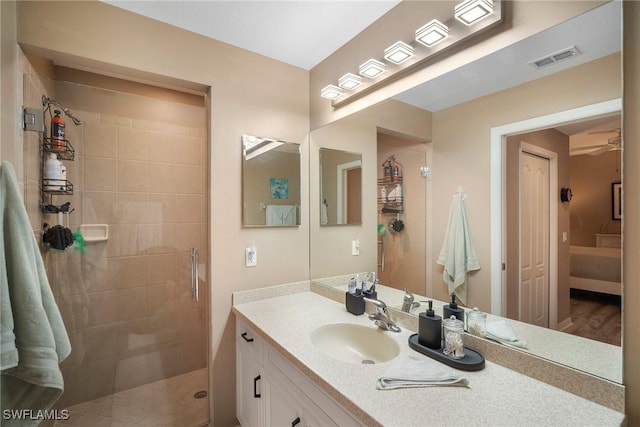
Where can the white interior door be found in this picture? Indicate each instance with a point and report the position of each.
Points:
(534, 239)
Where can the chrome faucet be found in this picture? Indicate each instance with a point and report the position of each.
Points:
(381, 318)
(408, 302)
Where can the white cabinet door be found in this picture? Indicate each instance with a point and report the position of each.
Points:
(249, 406)
(270, 391)
(248, 389)
(287, 406)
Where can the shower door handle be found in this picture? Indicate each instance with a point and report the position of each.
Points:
(195, 259)
(381, 245)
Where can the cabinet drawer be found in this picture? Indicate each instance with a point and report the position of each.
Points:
(248, 340)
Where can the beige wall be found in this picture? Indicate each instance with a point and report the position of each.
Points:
(557, 142)
(10, 89)
(591, 178)
(240, 103)
(461, 154)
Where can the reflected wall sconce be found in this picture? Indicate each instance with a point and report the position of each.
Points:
(565, 194)
(432, 33)
(398, 52)
(372, 68)
(471, 11)
(331, 92)
(349, 81)
(468, 19)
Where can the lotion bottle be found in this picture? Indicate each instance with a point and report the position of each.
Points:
(452, 309)
(430, 328)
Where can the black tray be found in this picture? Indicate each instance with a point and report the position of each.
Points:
(472, 360)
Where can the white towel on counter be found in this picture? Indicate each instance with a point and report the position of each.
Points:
(502, 332)
(415, 370)
(281, 215)
(457, 254)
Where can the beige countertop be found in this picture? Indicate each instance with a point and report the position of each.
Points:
(496, 396)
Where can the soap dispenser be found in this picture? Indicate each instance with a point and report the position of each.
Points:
(430, 328)
(452, 309)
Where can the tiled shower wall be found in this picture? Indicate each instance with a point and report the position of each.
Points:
(140, 167)
(411, 247)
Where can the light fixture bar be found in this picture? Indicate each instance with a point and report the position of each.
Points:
(432, 33)
(372, 68)
(330, 92)
(349, 81)
(398, 52)
(483, 14)
(471, 11)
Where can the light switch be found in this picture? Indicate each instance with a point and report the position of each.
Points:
(355, 247)
(565, 237)
(251, 256)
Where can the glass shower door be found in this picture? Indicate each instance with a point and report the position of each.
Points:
(139, 335)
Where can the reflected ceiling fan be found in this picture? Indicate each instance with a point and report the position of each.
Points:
(613, 143)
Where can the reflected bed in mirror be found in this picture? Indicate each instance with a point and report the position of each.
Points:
(340, 187)
(270, 182)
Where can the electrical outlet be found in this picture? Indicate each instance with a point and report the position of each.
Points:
(355, 247)
(251, 257)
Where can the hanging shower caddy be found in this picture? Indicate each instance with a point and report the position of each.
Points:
(33, 120)
(390, 187)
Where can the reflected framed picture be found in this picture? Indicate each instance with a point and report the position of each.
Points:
(279, 188)
(616, 200)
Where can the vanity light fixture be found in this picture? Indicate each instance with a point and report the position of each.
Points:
(469, 17)
(372, 68)
(331, 92)
(398, 52)
(432, 33)
(349, 81)
(471, 11)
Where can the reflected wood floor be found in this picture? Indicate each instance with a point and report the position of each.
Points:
(596, 316)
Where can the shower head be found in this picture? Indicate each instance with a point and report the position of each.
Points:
(48, 102)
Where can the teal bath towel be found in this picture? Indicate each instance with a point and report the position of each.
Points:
(33, 340)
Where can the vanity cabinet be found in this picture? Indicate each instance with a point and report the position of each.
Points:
(270, 391)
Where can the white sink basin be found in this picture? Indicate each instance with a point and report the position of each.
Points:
(355, 343)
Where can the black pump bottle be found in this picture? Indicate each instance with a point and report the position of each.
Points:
(430, 328)
(452, 309)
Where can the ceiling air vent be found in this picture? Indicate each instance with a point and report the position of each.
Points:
(555, 57)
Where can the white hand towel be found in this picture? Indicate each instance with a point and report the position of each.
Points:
(414, 370)
(324, 215)
(501, 331)
(457, 254)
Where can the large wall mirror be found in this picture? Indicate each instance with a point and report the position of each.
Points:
(340, 187)
(270, 182)
(465, 116)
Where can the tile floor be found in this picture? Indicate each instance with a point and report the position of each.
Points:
(166, 403)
